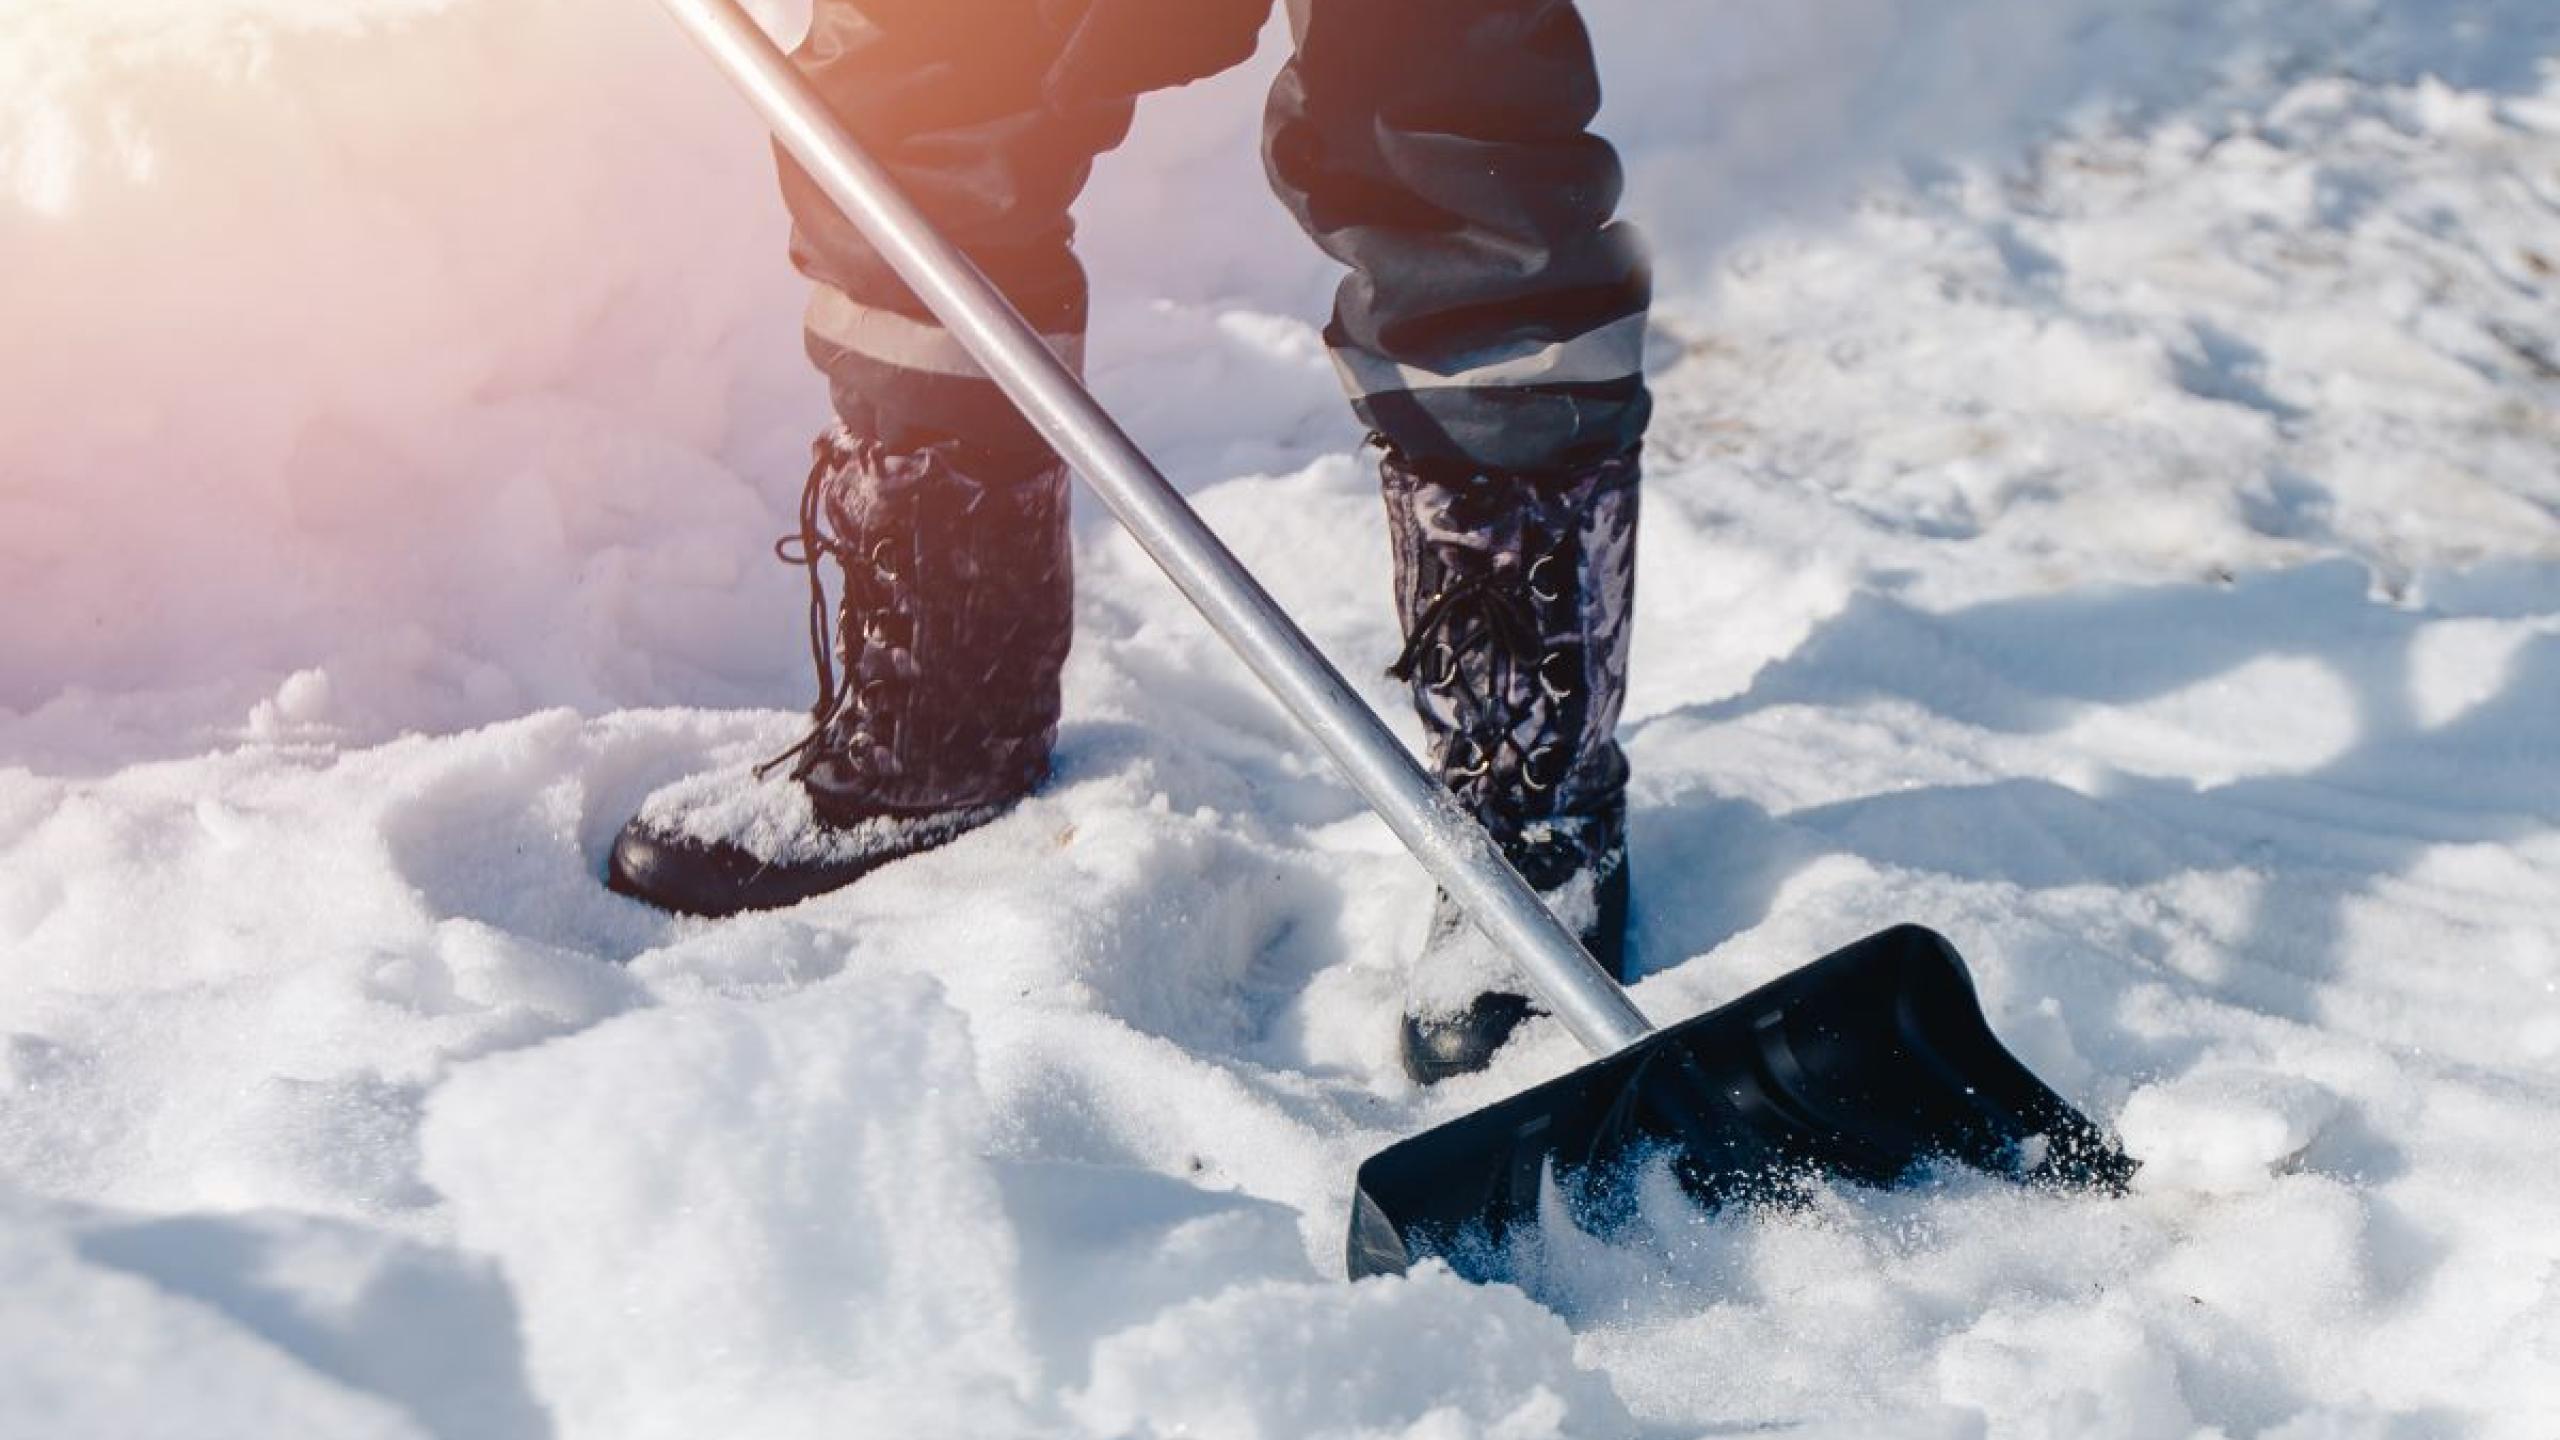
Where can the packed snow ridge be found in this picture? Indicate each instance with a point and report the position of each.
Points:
(2106, 507)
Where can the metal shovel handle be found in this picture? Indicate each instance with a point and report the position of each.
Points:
(1448, 842)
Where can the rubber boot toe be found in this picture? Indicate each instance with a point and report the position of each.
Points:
(1438, 1049)
(693, 876)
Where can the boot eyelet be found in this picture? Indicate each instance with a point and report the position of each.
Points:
(1443, 672)
(1547, 767)
(1545, 585)
(1559, 673)
(885, 628)
(1466, 759)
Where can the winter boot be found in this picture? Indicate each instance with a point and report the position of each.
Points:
(937, 687)
(1516, 593)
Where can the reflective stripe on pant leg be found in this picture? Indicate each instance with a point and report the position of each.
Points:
(901, 342)
(951, 96)
(1614, 352)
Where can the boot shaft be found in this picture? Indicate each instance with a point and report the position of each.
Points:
(949, 633)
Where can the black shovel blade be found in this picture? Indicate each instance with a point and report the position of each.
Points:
(1865, 1065)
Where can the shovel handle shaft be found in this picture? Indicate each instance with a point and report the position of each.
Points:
(1448, 842)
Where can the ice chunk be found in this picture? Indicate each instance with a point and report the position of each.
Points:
(2223, 1131)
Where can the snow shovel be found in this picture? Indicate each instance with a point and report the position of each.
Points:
(1866, 1065)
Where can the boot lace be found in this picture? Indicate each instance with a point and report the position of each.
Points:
(814, 545)
(1482, 603)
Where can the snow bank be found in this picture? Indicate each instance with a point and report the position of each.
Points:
(360, 334)
(359, 337)
(2103, 508)
(785, 1216)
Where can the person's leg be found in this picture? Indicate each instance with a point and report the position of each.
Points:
(1491, 335)
(953, 98)
(937, 516)
(1494, 315)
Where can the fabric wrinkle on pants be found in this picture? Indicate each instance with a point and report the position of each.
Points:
(1494, 313)
(950, 97)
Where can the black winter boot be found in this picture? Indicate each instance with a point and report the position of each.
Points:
(937, 687)
(1516, 593)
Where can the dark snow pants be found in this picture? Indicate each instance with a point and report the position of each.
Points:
(1494, 314)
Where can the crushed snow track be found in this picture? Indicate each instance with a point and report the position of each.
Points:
(2106, 506)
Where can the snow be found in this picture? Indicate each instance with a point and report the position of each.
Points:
(1457, 962)
(688, 1145)
(1424, 1359)
(2104, 508)
(2223, 1131)
(772, 817)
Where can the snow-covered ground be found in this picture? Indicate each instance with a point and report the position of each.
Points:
(2106, 506)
